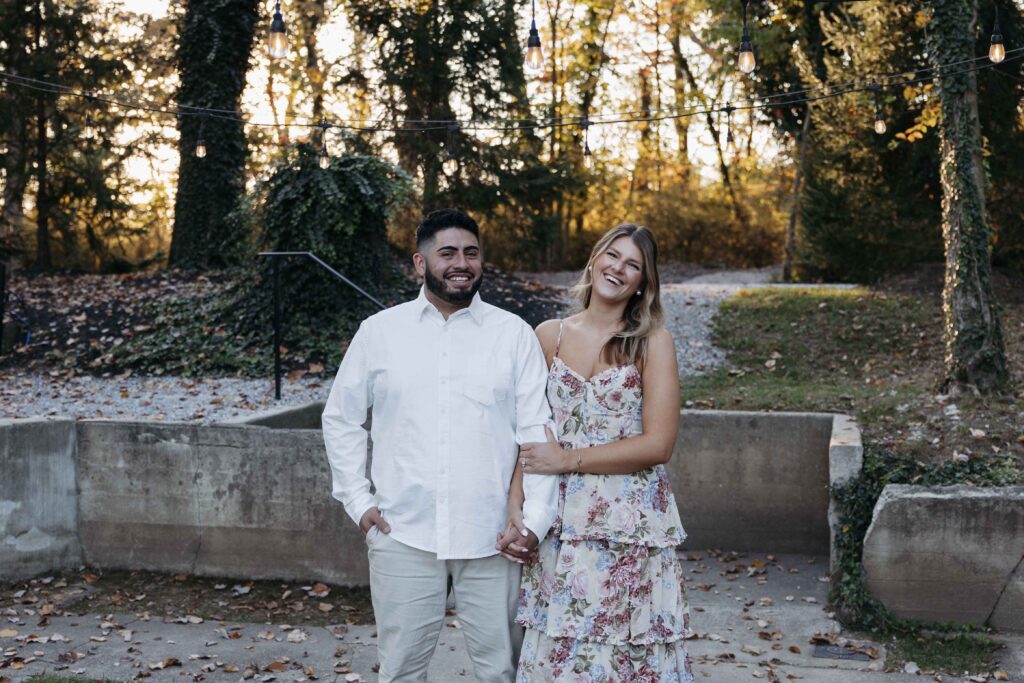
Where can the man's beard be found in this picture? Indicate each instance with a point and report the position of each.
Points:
(437, 288)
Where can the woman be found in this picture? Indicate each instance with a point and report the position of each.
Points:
(603, 599)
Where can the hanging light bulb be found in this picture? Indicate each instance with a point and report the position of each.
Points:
(325, 158)
(746, 60)
(729, 139)
(89, 129)
(534, 61)
(200, 148)
(996, 51)
(588, 157)
(879, 117)
(450, 165)
(277, 39)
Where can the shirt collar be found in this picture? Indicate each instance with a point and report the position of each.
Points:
(475, 308)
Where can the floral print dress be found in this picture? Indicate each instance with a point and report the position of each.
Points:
(603, 601)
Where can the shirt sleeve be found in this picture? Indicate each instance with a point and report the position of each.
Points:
(540, 504)
(344, 435)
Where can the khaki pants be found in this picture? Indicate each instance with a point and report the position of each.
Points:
(409, 589)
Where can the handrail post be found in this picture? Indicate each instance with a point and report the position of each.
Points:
(275, 271)
(277, 328)
(3, 302)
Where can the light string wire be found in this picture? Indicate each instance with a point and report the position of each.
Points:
(533, 123)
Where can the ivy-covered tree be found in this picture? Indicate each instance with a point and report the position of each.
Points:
(340, 214)
(975, 354)
(216, 40)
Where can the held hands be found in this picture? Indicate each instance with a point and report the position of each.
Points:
(517, 542)
(545, 458)
(371, 518)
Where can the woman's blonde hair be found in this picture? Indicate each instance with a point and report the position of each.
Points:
(643, 313)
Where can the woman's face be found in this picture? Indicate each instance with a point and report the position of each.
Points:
(618, 272)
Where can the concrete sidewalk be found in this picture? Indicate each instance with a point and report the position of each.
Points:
(753, 617)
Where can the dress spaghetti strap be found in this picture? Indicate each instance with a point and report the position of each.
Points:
(558, 342)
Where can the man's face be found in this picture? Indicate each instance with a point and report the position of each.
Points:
(451, 265)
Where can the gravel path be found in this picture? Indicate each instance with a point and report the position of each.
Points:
(167, 399)
(690, 307)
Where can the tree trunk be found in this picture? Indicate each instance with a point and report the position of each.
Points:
(43, 258)
(794, 211)
(213, 58)
(682, 123)
(975, 355)
(12, 215)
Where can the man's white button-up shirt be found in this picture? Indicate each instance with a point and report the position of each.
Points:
(452, 400)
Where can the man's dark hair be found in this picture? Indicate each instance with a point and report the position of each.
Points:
(442, 219)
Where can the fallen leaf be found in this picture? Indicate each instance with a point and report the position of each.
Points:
(8, 633)
(794, 649)
(296, 636)
(158, 666)
(1000, 675)
(276, 666)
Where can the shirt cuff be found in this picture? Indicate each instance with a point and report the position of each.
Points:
(538, 517)
(358, 507)
(533, 433)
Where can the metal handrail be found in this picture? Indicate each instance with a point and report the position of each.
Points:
(3, 302)
(275, 256)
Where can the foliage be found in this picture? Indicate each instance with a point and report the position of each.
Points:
(463, 60)
(855, 502)
(952, 652)
(215, 43)
(85, 199)
(339, 214)
(872, 203)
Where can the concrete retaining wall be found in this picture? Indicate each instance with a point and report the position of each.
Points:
(227, 501)
(949, 553)
(250, 501)
(754, 481)
(38, 499)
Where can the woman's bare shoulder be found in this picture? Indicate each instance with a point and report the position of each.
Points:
(662, 338)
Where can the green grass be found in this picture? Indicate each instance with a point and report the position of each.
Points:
(954, 654)
(816, 349)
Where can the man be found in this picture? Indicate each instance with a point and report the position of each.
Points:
(455, 386)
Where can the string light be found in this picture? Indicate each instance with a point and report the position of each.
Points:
(325, 158)
(996, 51)
(588, 157)
(200, 148)
(277, 38)
(826, 91)
(746, 61)
(729, 139)
(450, 165)
(89, 128)
(534, 61)
(879, 117)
